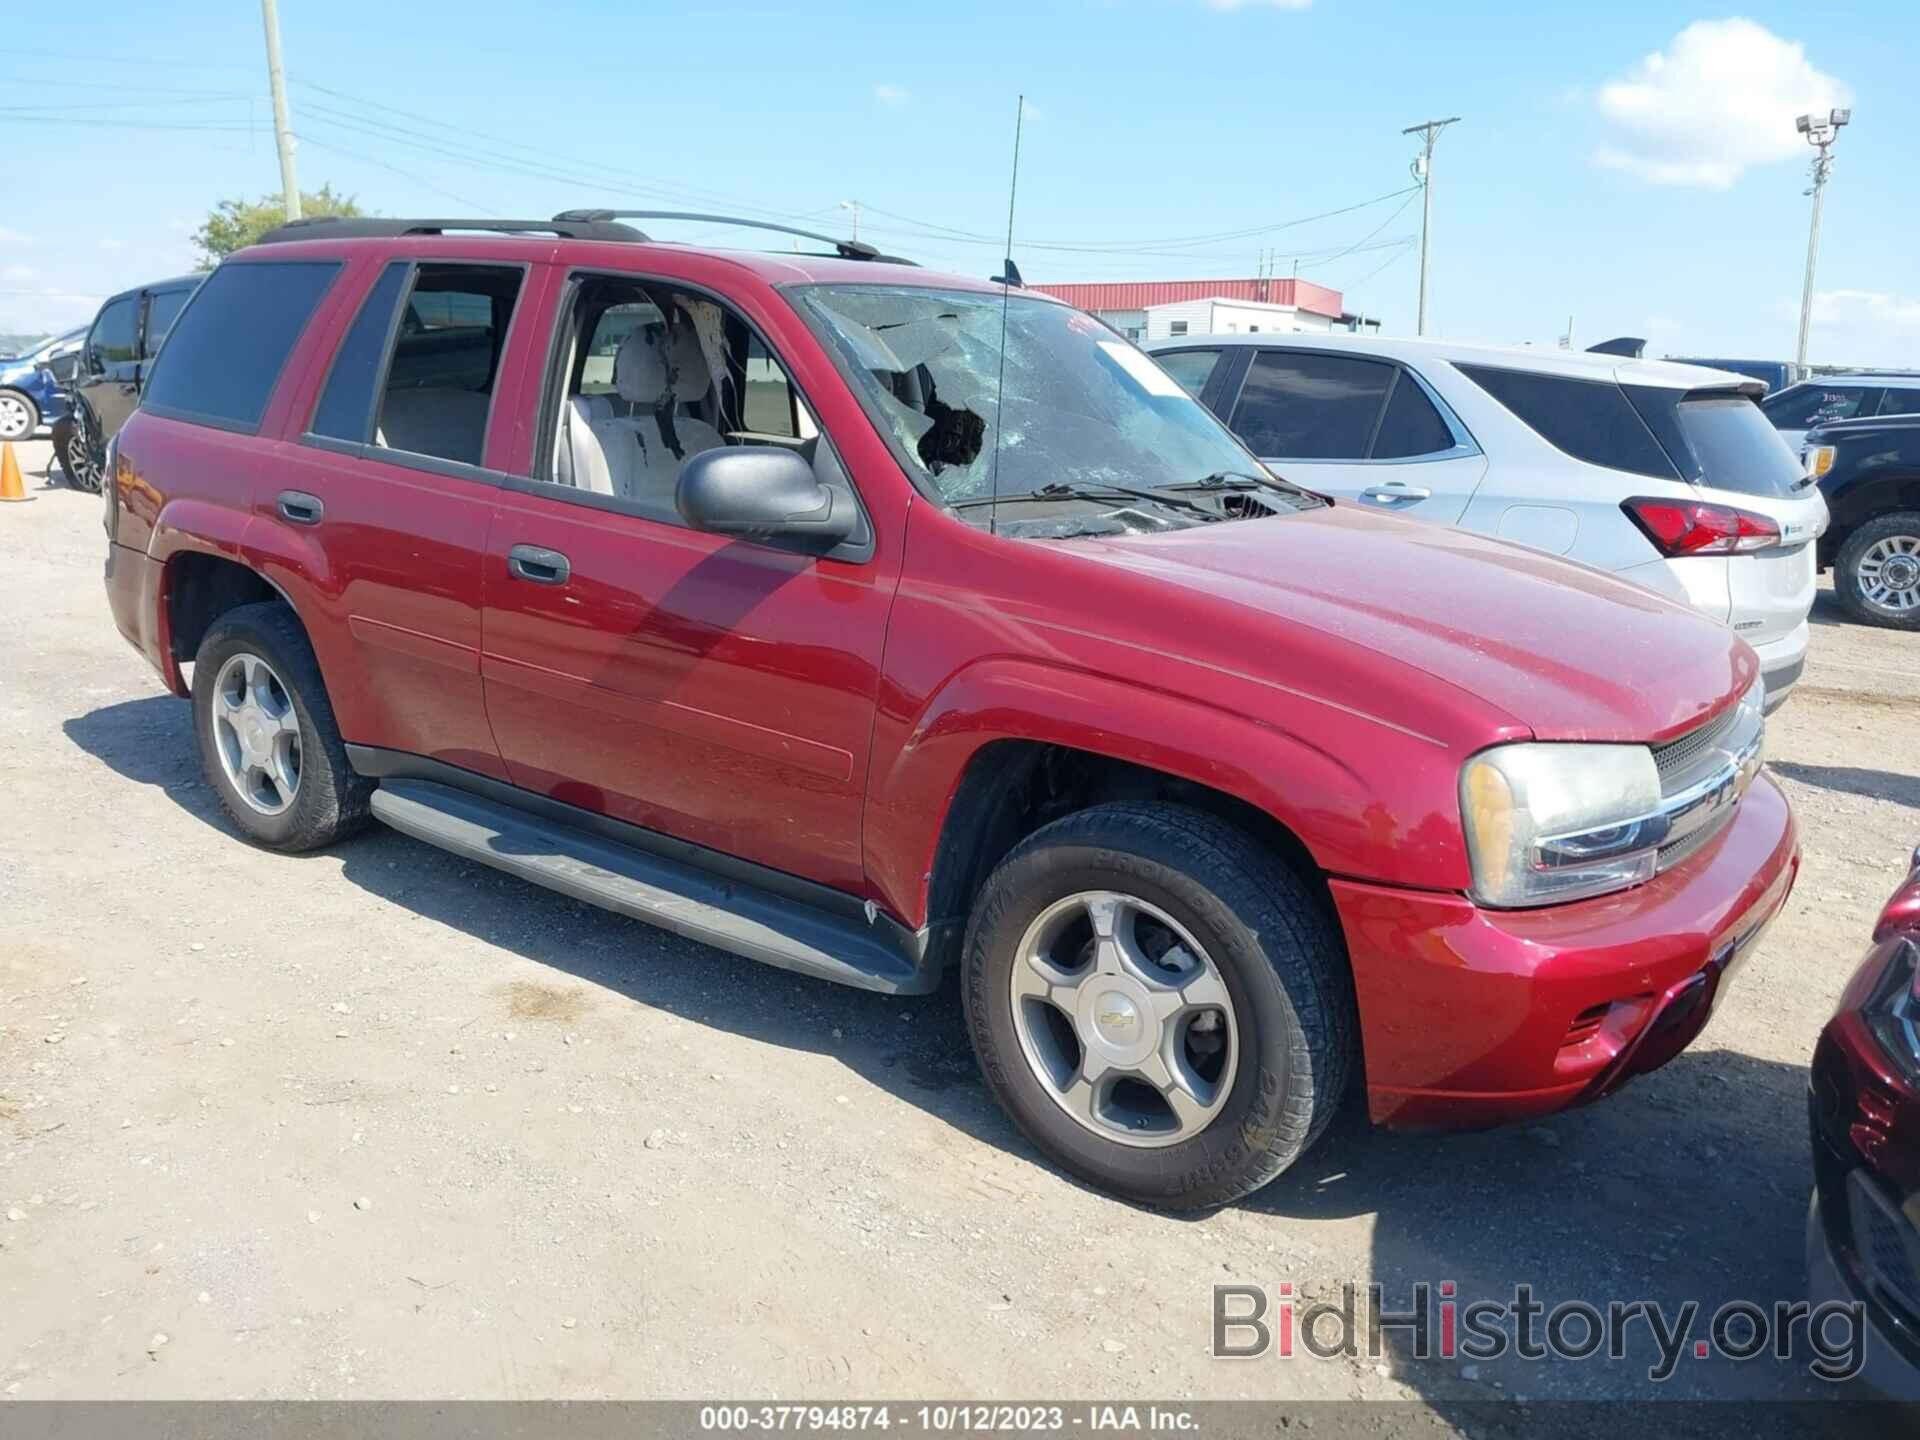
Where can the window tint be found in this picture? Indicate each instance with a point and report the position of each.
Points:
(1190, 367)
(1805, 406)
(1900, 402)
(439, 378)
(1411, 425)
(1590, 420)
(227, 352)
(1310, 407)
(345, 411)
(1736, 448)
(162, 308)
(112, 338)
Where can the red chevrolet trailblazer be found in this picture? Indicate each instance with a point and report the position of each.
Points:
(876, 623)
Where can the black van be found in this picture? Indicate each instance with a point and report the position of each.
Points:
(124, 338)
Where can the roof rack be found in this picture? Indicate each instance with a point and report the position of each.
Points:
(846, 249)
(335, 227)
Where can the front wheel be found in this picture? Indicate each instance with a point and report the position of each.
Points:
(267, 736)
(1877, 572)
(1162, 1006)
(19, 416)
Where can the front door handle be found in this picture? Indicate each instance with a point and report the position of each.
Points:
(1396, 492)
(538, 564)
(300, 508)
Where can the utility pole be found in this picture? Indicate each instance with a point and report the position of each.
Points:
(1423, 172)
(277, 81)
(854, 207)
(1820, 133)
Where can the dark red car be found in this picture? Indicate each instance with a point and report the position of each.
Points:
(1863, 1227)
(873, 623)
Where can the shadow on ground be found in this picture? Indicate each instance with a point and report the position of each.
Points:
(1853, 780)
(1690, 1185)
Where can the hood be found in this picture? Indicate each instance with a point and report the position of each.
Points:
(1569, 652)
(13, 370)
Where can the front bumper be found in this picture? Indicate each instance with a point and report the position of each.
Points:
(1472, 1016)
(1885, 1367)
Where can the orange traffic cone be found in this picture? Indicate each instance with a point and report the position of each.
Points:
(10, 486)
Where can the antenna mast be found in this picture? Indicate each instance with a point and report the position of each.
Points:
(1008, 279)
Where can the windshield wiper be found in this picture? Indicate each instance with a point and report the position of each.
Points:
(1244, 480)
(1102, 494)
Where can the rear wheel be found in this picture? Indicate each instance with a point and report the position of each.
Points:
(267, 737)
(1160, 1004)
(19, 416)
(1877, 573)
(79, 455)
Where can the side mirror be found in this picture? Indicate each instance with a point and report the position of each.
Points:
(763, 491)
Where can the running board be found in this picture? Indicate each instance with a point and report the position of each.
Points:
(727, 914)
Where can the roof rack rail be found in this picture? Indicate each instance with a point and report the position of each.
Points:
(846, 249)
(336, 227)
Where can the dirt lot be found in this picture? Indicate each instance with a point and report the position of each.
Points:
(376, 1122)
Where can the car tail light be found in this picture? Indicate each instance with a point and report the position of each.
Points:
(1691, 527)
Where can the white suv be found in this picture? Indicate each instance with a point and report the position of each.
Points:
(1666, 475)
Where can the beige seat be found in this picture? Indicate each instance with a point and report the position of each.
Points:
(628, 455)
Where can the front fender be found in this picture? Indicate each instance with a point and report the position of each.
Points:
(1390, 812)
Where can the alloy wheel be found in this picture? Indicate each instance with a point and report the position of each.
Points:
(1124, 1019)
(1889, 574)
(16, 418)
(257, 734)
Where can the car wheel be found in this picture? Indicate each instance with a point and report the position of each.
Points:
(1162, 1006)
(1877, 573)
(79, 456)
(268, 741)
(19, 416)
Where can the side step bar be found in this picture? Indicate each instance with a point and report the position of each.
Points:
(726, 914)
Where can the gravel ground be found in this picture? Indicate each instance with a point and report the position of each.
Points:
(376, 1122)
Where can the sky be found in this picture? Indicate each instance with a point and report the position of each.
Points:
(1631, 169)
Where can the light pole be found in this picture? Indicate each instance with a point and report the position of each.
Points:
(282, 132)
(1820, 133)
(853, 206)
(1423, 172)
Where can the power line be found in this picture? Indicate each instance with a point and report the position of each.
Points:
(484, 211)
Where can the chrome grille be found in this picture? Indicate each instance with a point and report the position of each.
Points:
(1682, 761)
(1704, 773)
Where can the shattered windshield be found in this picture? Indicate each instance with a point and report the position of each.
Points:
(1087, 419)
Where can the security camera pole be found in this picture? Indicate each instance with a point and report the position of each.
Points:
(1423, 172)
(1821, 132)
(277, 82)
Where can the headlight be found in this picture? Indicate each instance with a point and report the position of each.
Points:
(1547, 823)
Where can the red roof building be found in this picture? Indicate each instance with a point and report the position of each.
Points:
(1142, 294)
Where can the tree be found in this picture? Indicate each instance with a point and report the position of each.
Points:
(235, 223)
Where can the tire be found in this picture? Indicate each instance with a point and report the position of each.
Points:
(1887, 546)
(326, 800)
(19, 416)
(79, 457)
(1284, 968)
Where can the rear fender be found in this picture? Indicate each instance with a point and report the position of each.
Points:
(189, 527)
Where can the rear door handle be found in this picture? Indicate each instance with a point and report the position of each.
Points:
(300, 508)
(1395, 492)
(538, 564)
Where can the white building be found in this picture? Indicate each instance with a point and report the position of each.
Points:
(1160, 309)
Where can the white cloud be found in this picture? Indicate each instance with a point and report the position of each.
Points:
(892, 94)
(1722, 97)
(1864, 327)
(19, 274)
(1265, 4)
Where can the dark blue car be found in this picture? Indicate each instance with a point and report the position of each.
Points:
(31, 385)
